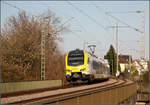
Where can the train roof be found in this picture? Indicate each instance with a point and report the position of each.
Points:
(98, 58)
(76, 52)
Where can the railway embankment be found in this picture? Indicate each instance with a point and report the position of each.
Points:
(108, 92)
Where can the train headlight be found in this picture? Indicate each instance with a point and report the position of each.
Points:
(68, 70)
(82, 69)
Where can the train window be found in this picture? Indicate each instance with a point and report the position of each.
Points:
(100, 64)
(75, 59)
(88, 60)
(95, 65)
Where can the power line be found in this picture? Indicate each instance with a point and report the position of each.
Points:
(78, 25)
(73, 33)
(100, 11)
(88, 32)
(108, 13)
(104, 13)
(92, 19)
(76, 35)
(12, 5)
(142, 42)
(136, 11)
(88, 3)
(69, 19)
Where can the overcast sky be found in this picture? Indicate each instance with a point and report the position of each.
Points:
(91, 24)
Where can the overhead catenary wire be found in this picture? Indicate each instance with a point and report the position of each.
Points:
(88, 32)
(11, 5)
(91, 18)
(104, 13)
(100, 11)
(122, 12)
(72, 32)
(142, 46)
(123, 22)
(78, 25)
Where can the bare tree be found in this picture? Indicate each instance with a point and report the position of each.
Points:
(21, 43)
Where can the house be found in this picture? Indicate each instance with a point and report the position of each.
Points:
(141, 65)
(148, 65)
(125, 62)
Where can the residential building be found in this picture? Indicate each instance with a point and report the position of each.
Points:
(125, 62)
(141, 65)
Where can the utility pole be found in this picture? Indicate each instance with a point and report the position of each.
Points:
(142, 42)
(43, 50)
(143, 35)
(117, 44)
(44, 32)
(117, 41)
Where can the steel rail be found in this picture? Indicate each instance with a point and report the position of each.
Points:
(19, 97)
(83, 93)
(68, 95)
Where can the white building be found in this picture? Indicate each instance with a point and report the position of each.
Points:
(141, 65)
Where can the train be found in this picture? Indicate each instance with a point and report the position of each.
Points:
(84, 66)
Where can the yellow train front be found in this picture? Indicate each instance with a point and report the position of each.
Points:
(82, 66)
(76, 65)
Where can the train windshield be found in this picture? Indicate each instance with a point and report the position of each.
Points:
(75, 59)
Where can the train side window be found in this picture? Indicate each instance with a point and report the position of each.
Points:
(95, 65)
(100, 65)
(88, 60)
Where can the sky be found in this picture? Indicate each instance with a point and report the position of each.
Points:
(90, 24)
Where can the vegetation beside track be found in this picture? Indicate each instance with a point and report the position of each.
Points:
(21, 48)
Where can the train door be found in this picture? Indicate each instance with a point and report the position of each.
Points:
(89, 66)
(96, 68)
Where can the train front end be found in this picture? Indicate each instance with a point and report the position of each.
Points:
(76, 65)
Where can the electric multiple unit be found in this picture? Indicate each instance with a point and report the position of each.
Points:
(84, 66)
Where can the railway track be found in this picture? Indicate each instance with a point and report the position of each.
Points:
(50, 96)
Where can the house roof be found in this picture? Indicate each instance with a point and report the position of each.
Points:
(124, 58)
(138, 62)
